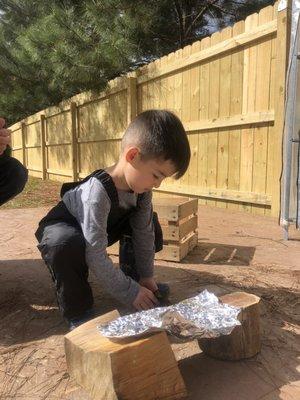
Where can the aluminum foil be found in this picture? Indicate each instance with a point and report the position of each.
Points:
(202, 316)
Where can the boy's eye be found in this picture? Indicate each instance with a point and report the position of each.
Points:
(155, 176)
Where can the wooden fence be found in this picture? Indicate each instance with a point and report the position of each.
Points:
(228, 89)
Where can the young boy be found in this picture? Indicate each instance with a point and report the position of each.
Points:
(107, 206)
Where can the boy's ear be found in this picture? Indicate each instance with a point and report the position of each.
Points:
(131, 154)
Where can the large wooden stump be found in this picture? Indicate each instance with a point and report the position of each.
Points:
(245, 340)
(143, 369)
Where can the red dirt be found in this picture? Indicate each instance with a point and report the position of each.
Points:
(236, 251)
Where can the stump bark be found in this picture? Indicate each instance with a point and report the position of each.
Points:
(245, 340)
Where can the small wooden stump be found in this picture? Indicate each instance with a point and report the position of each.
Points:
(244, 341)
(143, 369)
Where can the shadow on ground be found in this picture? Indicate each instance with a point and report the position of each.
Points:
(29, 314)
(216, 253)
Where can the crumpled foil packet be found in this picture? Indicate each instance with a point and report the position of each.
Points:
(202, 316)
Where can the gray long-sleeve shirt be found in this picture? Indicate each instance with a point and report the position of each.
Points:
(90, 204)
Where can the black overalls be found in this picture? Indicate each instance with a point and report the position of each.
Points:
(62, 246)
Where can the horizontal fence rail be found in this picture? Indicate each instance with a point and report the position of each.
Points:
(228, 90)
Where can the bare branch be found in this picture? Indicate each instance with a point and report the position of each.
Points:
(180, 20)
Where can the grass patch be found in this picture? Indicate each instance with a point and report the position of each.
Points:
(37, 193)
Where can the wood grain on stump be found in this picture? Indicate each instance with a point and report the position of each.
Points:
(143, 369)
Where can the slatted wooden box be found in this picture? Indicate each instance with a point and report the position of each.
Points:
(178, 219)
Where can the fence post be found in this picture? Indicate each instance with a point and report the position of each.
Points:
(23, 133)
(43, 146)
(74, 144)
(282, 57)
(131, 98)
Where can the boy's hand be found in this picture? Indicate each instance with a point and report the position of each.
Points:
(145, 299)
(149, 283)
(4, 136)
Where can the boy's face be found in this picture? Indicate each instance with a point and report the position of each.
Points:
(142, 176)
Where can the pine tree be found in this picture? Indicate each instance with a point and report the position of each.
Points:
(53, 50)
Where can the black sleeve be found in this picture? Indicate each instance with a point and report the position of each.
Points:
(5, 156)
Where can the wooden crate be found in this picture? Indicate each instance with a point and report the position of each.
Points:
(178, 219)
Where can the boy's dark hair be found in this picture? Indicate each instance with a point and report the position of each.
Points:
(160, 135)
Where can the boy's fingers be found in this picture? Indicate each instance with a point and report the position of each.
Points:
(143, 306)
(2, 123)
(151, 301)
(153, 298)
(146, 305)
(145, 299)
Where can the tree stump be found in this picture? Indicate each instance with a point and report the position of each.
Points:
(244, 341)
(143, 369)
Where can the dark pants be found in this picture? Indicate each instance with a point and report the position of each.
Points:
(13, 177)
(62, 247)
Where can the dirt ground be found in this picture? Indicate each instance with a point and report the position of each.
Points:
(236, 251)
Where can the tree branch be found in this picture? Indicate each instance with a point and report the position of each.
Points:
(180, 20)
(196, 19)
(223, 10)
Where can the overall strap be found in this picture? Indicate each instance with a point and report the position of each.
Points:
(108, 185)
(104, 178)
(140, 198)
